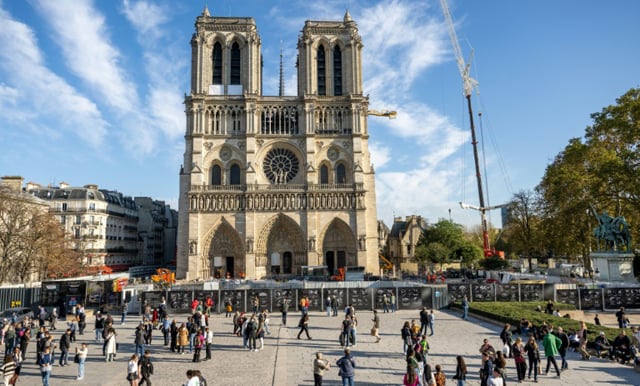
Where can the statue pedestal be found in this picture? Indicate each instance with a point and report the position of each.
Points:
(614, 266)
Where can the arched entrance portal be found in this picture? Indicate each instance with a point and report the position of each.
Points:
(225, 255)
(281, 248)
(339, 246)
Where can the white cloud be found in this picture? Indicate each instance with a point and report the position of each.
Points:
(380, 154)
(48, 97)
(164, 64)
(83, 37)
(146, 17)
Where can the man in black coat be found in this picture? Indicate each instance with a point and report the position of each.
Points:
(146, 368)
(65, 345)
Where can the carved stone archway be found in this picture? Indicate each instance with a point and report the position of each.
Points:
(283, 237)
(339, 248)
(224, 242)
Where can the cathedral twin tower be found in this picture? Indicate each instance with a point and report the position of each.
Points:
(270, 184)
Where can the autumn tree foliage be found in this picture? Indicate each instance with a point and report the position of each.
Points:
(33, 245)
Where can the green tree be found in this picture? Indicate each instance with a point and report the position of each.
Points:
(494, 263)
(523, 226)
(602, 170)
(446, 241)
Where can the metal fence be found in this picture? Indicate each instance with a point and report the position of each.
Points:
(363, 296)
(582, 298)
(19, 297)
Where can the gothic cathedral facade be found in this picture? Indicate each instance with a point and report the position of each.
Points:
(270, 184)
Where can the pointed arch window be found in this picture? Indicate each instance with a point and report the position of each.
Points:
(235, 64)
(234, 175)
(337, 71)
(341, 174)
(324, 174)
(322, 71)
(216, 175)
(217, 63)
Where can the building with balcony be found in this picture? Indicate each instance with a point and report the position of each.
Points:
(273, 183)
(103, 224)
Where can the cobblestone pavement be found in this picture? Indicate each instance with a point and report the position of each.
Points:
(286, 360)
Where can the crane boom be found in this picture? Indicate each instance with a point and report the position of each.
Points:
(468, 84)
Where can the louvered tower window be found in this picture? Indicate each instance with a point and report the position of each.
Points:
(217, 64)
(235, 64)
(322, 75)
(337, 71)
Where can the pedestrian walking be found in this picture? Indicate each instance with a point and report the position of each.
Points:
(192, 379)
(392, 300)
(99, 326)
(432, 322)
(551, 343)
(166, 329)
(533, 353)
(183, 338)
(111, 345)
(496, 379)
(327, 305)
(252, 332)
(45, 362)
(411, 377)
(145, 369)
(8, 369)
(65, 345)
(441, 379)
(461, 371)
(519, 359)
(562, 350)
(319, 367)
(198, 343)
(208, 337)
(17, 358)
(123, 312)
(486, 369)
(138, 340)
(173, 332)
(375, 330)
(347, 366)
(284, 309)
(465, 308)
(385, 303)
(345, 338)
(54, 319)
(424, 320)
(132, 370)
(81, 356)
(304, 326)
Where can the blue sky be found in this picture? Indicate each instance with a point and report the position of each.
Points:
(92, 91)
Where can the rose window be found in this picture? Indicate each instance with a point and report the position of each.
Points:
(280, 166)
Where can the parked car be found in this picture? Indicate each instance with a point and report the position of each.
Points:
(20, 312)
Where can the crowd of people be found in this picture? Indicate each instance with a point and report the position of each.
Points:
(524, 344)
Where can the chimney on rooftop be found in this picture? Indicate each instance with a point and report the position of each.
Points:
(13, 182)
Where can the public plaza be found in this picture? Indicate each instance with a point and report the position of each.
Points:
(285, 360)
